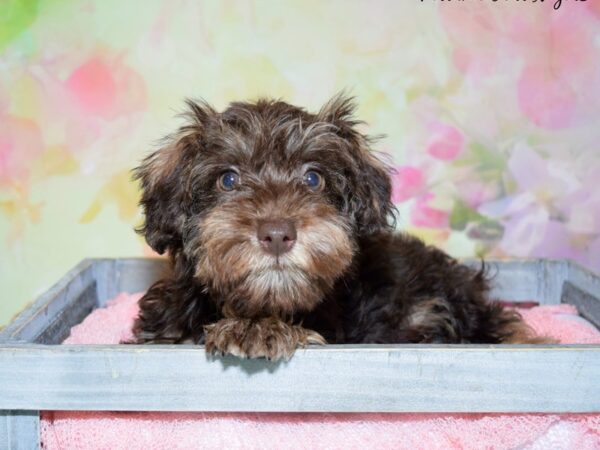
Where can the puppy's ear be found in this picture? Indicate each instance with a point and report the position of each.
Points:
(164, 178)
(371, 201)
(370, 189)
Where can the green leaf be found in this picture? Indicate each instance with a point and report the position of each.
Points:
(15, 17)
(462, 214)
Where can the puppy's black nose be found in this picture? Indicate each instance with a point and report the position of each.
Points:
(277, 236)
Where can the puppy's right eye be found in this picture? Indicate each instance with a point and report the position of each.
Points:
(229, 181)
(313, 180)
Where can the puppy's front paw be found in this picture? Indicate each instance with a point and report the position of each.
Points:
(255, 338)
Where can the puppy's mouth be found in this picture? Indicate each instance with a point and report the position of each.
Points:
(279, 266)
(265, 262)
(281, 269)
(281, 262)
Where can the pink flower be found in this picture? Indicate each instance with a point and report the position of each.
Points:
(446, 142)
(546, 98)
(474, 192)
(20, 144)
(94, 87)
(594, 8)
(407, 181)
(104, 86)
(423, 215)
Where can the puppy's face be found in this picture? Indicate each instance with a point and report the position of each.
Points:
(264, 203)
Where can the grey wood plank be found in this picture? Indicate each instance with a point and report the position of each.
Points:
(105, 274)
(584, 279)
(138, 274)
(45, 311)
(526, 279)
(19, 430)
(406, 378)
(71, 314)
(587, 305)
(517, 281)
(553, 275)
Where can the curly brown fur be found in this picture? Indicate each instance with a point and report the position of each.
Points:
(345, 274)
(267, 337)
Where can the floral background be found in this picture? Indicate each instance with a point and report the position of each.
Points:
(491, 111)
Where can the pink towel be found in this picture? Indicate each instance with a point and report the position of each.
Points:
(149, 430)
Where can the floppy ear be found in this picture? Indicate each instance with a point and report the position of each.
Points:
(164, 176)
(369, 193)
(372, 200)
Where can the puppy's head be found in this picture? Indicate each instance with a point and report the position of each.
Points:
(265, 202)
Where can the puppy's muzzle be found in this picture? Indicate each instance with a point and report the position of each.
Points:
(276, 236)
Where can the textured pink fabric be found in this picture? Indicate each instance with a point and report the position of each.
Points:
(118, 430)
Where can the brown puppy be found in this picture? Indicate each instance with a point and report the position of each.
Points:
(279, 228)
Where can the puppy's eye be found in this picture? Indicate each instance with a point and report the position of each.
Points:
(313, 180)
(229, 181)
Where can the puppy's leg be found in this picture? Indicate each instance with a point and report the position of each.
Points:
(434, 321)
(156, 322)
(254, 338)
(173, 312)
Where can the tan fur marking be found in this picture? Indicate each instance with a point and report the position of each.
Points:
(232, 262)
(432, 314)
(521, 333)
(163, 162)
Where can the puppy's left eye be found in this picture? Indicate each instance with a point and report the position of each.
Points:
(229, 181)
(313, 180)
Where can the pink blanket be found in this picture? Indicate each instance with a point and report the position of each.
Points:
(118, 430)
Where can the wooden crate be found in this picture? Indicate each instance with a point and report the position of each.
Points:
(36, 373)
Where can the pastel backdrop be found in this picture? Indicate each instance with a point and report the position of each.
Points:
(491, 112)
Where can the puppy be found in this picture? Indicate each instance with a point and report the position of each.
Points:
(278, 224)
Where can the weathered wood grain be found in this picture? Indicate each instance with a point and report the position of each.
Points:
(587, 305)
(44, 313)
(406, 378)
(19, 430)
